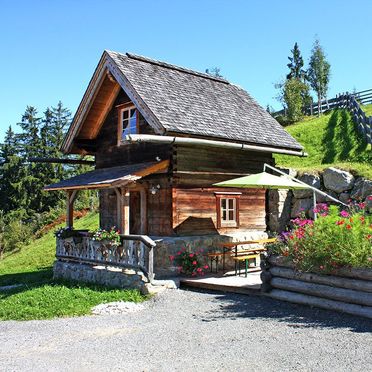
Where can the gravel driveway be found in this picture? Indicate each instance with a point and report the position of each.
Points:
(184, 330)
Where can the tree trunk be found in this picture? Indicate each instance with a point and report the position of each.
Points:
(319, 104)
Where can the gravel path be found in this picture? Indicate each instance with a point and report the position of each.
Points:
(188, 331)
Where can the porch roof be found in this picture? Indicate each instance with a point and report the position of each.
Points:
(109, 177)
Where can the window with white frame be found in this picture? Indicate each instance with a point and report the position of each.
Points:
(128, 118)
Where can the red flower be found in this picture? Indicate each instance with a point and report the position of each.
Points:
(341, 222)
(348, 227)
(171, 258)
(194, 263)
(321, 267)
(369, 236)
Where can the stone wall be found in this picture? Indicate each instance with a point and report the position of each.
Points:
(169, 246)
(284, 205)
(112, 277)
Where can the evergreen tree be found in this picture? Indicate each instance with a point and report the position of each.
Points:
(214, 71)
(12, 174)
(296, 65)
(319, 72)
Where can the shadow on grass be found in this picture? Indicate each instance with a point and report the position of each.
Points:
(42, 275)
(341, 139)
(234, 306)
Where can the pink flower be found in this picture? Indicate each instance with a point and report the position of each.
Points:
(179, 252)
(199, 269)
(194, 263)
(369, 197)
(191, 255)
(171, 258)
(344, 214)
(206, 267)
(362, 205)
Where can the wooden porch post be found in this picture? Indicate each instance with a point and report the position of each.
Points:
(125, 211)
(143, 201)
(122, 207)
(70, 198)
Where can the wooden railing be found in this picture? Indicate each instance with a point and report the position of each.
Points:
(363, 122)
(135, 251)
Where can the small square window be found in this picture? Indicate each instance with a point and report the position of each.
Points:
(128, 121)
(227, 210)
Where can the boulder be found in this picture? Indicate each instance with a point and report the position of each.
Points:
(338, 180)
(279, 209)
(309, 179)
(344, 197)
(302, 205)
(362, 188)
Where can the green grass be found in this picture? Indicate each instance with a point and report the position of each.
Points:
(42, 298)
(330, 140)
(49, 300)
(367, 109)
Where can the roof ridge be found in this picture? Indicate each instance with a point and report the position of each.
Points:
(173, 67)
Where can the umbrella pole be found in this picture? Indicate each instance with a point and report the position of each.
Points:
(314, 201)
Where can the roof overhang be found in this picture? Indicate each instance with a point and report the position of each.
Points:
(105, 72)
(110, 177)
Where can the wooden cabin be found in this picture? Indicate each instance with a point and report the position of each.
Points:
(162, 135)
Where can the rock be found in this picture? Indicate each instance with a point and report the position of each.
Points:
(369, 204)
(344, 197)
(118, 307)
(311, 180)
(338, 180)
(362, 188)
(149, 289)
(169, 284)
(302, 205)
(279, 209)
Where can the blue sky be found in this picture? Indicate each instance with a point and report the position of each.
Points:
(49, 49)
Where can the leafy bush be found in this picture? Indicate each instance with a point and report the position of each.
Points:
(336, 239)
(294, 93)
(189, 263)
(16, 235)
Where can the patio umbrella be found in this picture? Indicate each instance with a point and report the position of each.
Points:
(262, 181)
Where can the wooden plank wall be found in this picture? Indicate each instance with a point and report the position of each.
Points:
(195, 212)
(109, 154)
(203, 166)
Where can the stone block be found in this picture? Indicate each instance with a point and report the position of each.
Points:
(311, 180)
(362, 188)
(338, 180)
(302, 206)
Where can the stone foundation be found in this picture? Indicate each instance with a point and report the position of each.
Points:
(169, 246)
(112, 277)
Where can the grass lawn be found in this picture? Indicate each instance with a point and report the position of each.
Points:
(330, 140)
(42, 298)
(367, 109)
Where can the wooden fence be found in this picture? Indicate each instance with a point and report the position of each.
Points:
(363, 122)
(135, 251)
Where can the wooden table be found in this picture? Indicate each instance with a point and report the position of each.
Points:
(232, 247)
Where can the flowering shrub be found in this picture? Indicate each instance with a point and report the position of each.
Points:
(113, 235)
(336, 239)
(189, 263)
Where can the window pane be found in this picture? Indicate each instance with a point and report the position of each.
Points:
(231, 203)
(132, 113)
(125, 114)
(223, 203)
(224, 216)
(231, 215)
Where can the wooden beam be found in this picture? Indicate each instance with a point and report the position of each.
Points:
(119, 210)
(61, 161)
(143, 202)
(125, 211)
(71, 196)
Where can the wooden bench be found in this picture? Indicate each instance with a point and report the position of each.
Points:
(232, 247)
(245, 257)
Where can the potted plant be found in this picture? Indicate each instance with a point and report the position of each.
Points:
(106, 241)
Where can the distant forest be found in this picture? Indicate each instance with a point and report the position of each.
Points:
(24, 206)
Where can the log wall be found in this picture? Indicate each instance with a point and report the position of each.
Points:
(348, 290)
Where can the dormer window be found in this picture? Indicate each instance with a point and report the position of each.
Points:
(128, 120)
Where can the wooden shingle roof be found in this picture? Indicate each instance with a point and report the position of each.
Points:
(189, 102)
(178, 101)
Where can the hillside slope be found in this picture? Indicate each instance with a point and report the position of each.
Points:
(34, 262)
(330, 140)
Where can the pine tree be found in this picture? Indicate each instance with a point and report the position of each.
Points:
(319, 72)
(296, 65)
(214, 71)
(12, 174)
